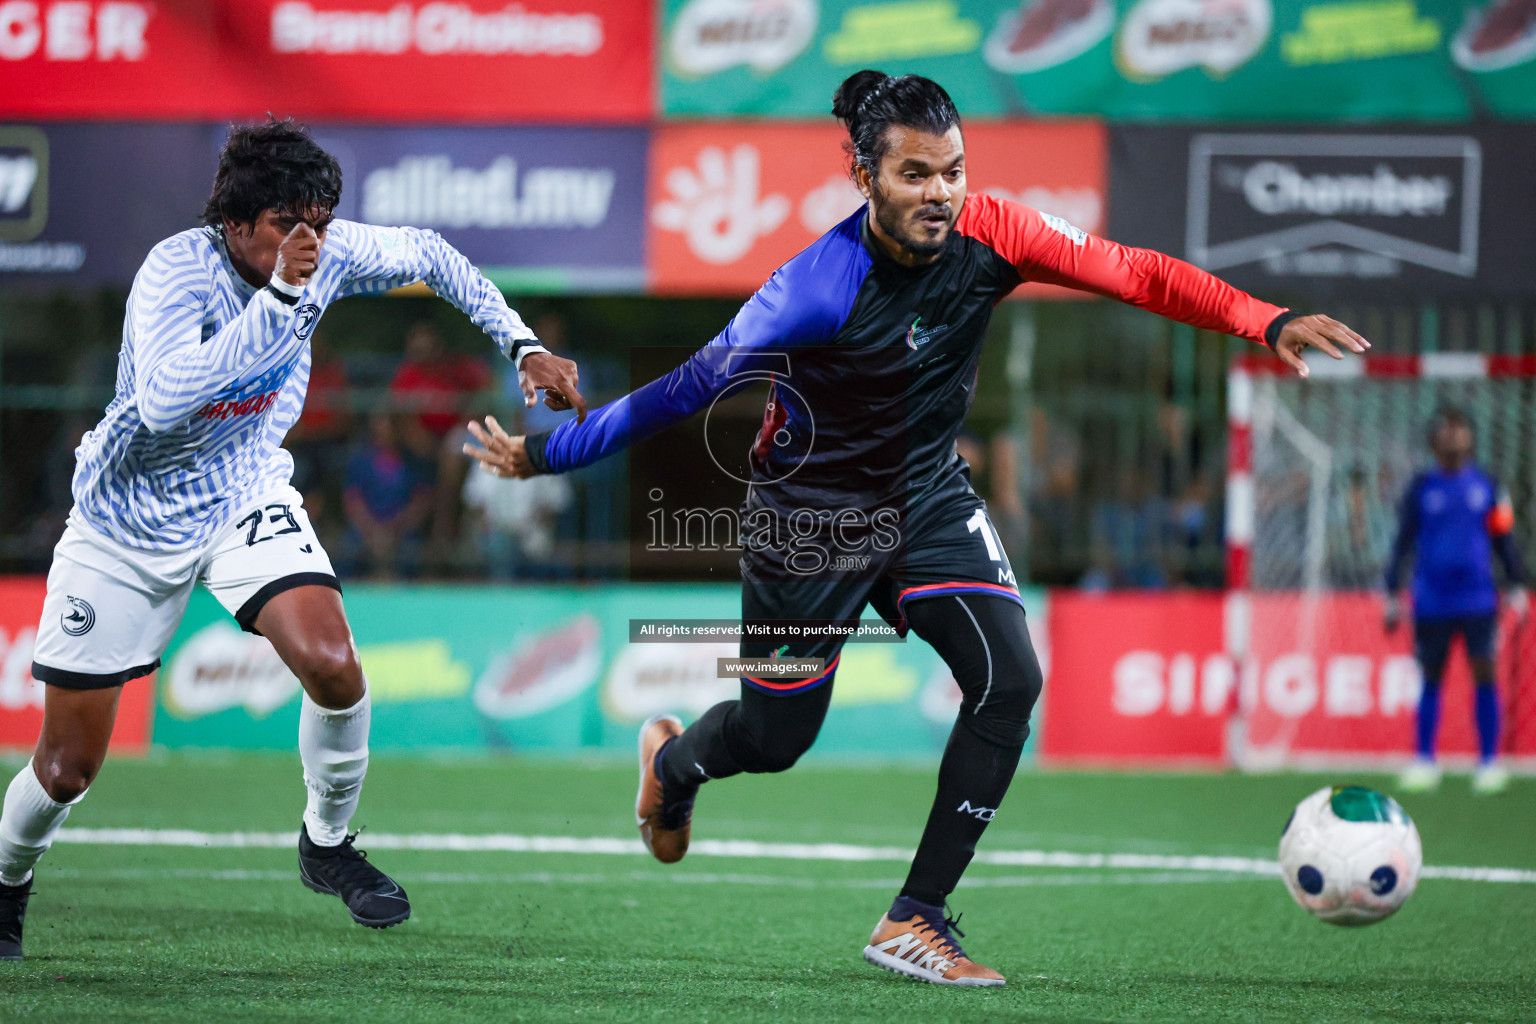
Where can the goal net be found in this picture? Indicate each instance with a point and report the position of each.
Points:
(1317, 472)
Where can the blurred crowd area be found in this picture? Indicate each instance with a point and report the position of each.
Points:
(1097, 436)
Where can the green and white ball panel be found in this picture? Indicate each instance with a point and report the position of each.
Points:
(1350, 855)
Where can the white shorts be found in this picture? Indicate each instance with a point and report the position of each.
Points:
(111, 609)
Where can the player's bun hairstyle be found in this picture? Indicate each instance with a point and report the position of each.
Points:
(267, 166)
(871, 102)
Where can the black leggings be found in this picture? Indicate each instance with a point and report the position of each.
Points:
(985, 642)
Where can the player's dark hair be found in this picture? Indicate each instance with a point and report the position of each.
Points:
(869, 103)
(1452, 415)
(273, 165)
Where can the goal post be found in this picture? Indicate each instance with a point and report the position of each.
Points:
(1315, 474)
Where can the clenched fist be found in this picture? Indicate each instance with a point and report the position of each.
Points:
(297, 256)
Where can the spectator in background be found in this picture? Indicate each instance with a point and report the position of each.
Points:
(318, 441)
(440, 391)
(515, 522)
(388, 499)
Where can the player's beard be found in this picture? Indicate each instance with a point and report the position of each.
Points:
(904, 232)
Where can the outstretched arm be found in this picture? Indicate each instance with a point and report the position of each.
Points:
(803, 303)
(1048, 249)
(384, 258)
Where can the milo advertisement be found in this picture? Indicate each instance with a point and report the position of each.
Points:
(1314, 60)
(539, 670)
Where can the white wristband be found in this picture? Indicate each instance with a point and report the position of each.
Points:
(277, 284)
(528, 349)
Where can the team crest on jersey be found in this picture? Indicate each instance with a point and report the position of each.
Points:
(79, 617)
(304, 320)
(1062, 227)
(917, 334)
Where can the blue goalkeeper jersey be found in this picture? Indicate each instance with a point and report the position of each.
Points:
(1454, 523)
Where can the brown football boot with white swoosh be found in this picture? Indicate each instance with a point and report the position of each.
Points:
(918, 940)
(665, 819)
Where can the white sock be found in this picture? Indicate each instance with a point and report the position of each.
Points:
(333, 746)
(28, 825)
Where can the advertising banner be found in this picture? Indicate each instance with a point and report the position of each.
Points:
(1357, 692)
(21, 696)
(1160, 688)
(546, 208)
(1137, 678)
(729, 203)
(533, 669)
(84, 204)
(1334, 211)
(1406, 60)
(379, 60)
(535, 208)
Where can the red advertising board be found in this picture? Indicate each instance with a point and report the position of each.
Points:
(380, 60)
(729, 203)
(21, 696)
(1146, 678)
(1357, 694)
(1136, 678)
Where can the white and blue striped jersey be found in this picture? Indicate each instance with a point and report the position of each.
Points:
(212, 375)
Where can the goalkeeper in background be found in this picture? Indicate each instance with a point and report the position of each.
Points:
(1458, 518)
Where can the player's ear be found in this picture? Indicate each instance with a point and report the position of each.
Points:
(862, 179)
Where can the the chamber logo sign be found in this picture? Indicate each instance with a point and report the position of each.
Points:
(709, 36)
(1346, 206)
(1160, 37)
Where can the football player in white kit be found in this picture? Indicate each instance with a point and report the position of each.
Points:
(183, 482)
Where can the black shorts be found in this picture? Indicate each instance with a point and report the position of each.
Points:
(1432, 639)
(947, 545)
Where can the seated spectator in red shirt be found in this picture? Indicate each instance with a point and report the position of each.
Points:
(388, 498)
(440, 390)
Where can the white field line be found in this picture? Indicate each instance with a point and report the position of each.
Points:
(452, 842)
(670, 878)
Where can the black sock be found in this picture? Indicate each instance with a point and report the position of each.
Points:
(761, 732)
(973, 778)
(700, 753)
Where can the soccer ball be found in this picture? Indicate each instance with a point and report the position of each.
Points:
(1350, 855)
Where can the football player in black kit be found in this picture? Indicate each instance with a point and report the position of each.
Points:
(876, 329)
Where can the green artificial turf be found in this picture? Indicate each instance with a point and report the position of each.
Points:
(119, 933)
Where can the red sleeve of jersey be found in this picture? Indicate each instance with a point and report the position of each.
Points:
(1051, 250)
